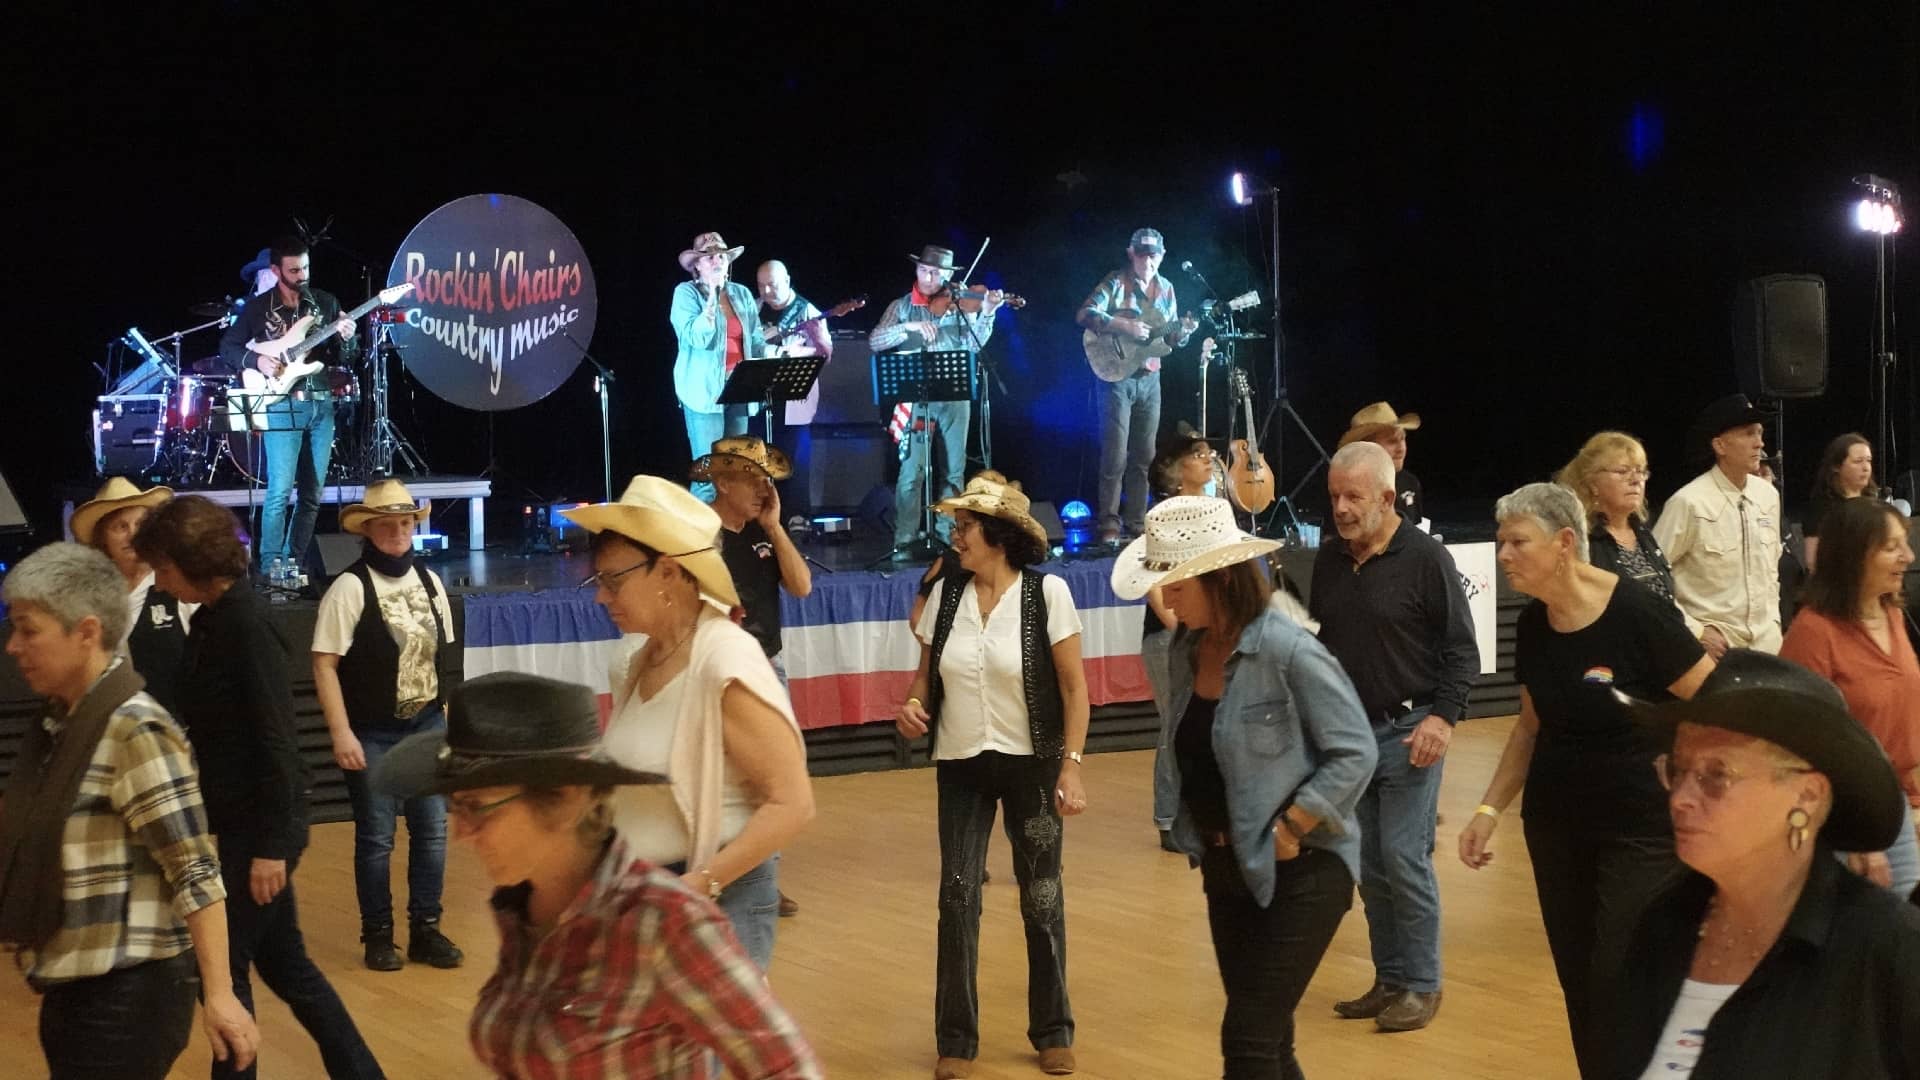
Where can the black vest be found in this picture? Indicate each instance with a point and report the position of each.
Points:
(1040, 683)
(158, 652)
(370, 672)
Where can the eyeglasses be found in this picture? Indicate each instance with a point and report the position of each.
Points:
(1714, 782)
(611, 579)
(1630, 472)
(1201, 453)
(474, 815)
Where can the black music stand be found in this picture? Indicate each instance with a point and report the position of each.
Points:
(923, 378)
(774, 380)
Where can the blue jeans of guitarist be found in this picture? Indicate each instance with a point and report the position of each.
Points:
(298, 447)
(1129, 427)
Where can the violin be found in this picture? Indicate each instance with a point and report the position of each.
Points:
(969, 300)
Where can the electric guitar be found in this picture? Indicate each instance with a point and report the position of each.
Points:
(1115, 357)
(775, 335)
(292, 347)
(1249, 479)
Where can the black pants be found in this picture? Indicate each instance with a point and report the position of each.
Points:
(128, 1024)
(268, 938)
(1591, 884)
(1267, 956)
(969, 791)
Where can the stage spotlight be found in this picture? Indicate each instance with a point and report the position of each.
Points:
(1878, 211)
(1240, 190)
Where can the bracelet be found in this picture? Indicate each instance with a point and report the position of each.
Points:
(1490, 811)
(915, 701)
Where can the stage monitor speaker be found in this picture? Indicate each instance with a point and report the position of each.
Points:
(1049, 519)
(842, 463)
(12, 518)
(846, 384)
(337, 552)
(1780, 336)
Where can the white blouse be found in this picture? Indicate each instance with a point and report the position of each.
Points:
(640, 736)
(985, 703)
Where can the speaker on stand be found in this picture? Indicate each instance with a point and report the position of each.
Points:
(1780, 342)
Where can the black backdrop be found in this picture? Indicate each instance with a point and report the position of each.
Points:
(1525, 226)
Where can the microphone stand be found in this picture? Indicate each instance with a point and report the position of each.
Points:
(603, 378)
(986, 393)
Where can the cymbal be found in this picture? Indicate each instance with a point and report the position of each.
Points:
(211, 309)
(1240, 335)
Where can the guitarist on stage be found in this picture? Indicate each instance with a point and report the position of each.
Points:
(299, 446)
(1132, 308)
(782, 310)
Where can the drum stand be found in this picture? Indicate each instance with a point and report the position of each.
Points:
(383, 439)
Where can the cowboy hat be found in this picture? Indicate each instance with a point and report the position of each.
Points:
(1761, 695)
(507, 728)
(117, 493)
(743, 453)
(383, 498)
(706, 244)
(669, 519)
(1187, 536)
(994, 495)
(1376, 420)
(262, 261)
(936, 256)
(1723, 415)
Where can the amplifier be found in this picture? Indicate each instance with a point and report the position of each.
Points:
(128, 433)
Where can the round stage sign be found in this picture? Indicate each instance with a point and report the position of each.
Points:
(499, 286)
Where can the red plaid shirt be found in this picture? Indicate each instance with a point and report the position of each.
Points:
(641, 978)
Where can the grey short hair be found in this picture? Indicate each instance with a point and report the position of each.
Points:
(1370, 456)
(1552, 506)
(70, 582)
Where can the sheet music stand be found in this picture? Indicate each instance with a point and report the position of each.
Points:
(923, 378)
(774, 380)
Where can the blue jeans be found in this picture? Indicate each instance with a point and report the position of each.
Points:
(1397, 883)
(1166, 786)
(706, 428)
(374, 818)
(752, 904)
(1129, 425)
(296, 459)
(950, 420)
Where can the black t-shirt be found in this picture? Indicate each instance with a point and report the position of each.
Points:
(1593, 763)
(756, 577)
(1409, 497)
(1202, 787)
(1823, 505)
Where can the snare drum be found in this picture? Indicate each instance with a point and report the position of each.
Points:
(344, 385)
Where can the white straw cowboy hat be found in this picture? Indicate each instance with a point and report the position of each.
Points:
(994, 495)
(383, 498)
(743, 454)
(1376, 420)
(707, 243)
(118, 493)
(669, 519)
(1187, 535)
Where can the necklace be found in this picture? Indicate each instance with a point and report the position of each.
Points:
(662, 658)
(1727, 957)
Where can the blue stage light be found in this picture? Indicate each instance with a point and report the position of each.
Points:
(1076, 511)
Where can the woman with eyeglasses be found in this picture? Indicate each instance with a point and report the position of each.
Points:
(1610, 476)
(698, 703)
(1851, 630)
(1595, 818)
(1845, 472)
(1766, 959)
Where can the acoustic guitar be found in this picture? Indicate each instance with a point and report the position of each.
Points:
(1250, 484)
(1114, 357)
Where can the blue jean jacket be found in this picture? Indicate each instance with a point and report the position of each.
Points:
(1289, 728)
(700, 364)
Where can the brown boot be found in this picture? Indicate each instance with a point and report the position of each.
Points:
(952, 1068)
(1057, 1061)
(1411, 1012)
(789, 907)
(1370, 1004)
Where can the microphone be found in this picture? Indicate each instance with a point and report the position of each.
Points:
(1187, 265)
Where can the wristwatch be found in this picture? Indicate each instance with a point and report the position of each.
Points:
(1074, 756)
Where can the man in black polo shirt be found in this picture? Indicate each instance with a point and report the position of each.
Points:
(755, 545)
(1392, 610)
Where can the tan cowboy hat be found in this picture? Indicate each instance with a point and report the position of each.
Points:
(706, 244)
(743, 453)
(383, 498)
(937, 257)
(116, 494)
(669, 519)
(1187, 535)
(994, 495)
(1376, 420)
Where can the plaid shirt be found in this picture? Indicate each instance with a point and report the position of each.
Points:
(641, 978)
(1121, 291)
(136, 854)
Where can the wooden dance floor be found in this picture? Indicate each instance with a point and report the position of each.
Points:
(856, 966)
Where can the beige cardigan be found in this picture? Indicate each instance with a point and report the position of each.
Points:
(723, 653)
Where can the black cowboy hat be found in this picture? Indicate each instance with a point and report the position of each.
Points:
(1761, 695)
(1727, 413)
(507, 728)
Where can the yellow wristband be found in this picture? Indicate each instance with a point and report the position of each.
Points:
(1490, 811)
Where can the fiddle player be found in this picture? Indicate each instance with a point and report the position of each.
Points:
(925, 319)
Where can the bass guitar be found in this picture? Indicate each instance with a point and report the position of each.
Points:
(776, 335)
(292, 347)
(1114, 357)
(1249, 480)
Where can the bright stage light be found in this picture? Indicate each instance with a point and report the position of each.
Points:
(1238, 189)
(1874, 216)
(1076, 513)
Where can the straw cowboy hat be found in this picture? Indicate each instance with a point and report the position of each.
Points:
(743, 454)
(1761, 695)
(936, 256)
(1376, 420)
(669, 519)
(1187, 535)
(994, 495)
(503, 729)
(706, 244)
(383, 498)
(116, 494)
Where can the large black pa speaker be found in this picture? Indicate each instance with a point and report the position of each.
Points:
(1780, 336)
(841, 463)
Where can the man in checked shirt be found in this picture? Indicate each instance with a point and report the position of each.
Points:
(108, 876)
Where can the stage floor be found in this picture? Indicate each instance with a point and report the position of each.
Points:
(856, 966)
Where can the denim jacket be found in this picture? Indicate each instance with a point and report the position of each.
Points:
(1289, 728)
(700, 366)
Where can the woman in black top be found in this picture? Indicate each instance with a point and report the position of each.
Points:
(1610, 475)
(157, 636)
(1595, 823)
(1846, 472)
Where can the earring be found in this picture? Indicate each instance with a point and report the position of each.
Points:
(665, 599)
(1796, 828)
